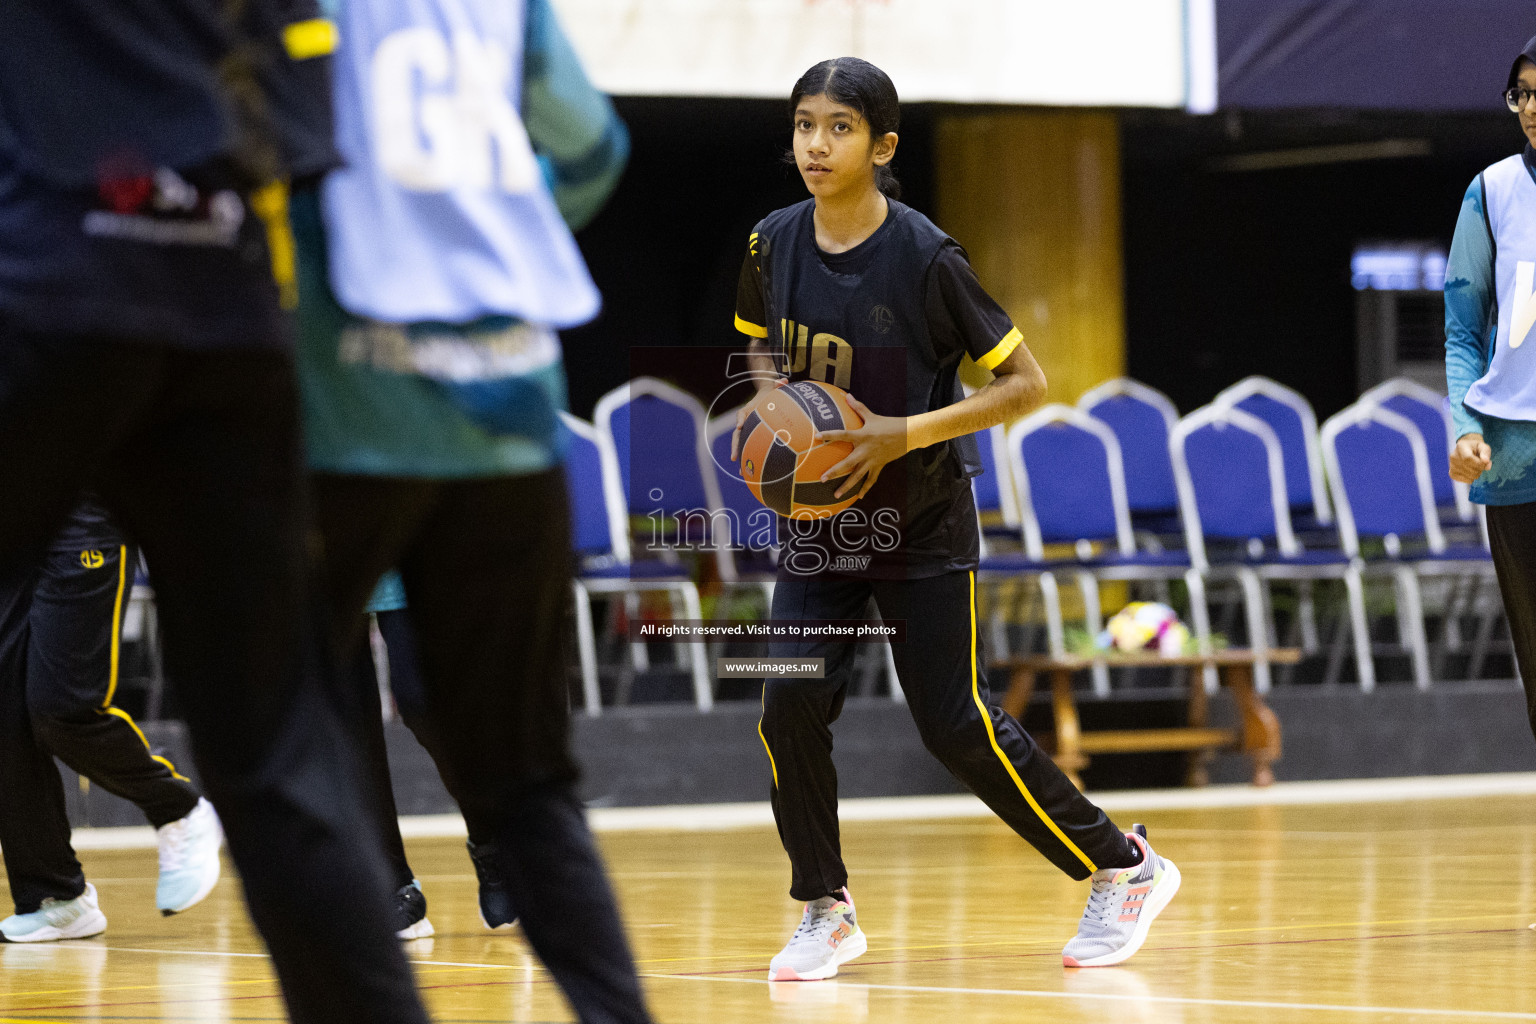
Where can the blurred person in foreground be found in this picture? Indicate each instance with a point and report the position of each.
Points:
(435, 267)
(396, 674)
(1490, 363)
(145, 354)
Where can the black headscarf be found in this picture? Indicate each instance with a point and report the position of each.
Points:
(1529, 53)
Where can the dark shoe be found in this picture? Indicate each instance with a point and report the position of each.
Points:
(411, 912)
(496, 911)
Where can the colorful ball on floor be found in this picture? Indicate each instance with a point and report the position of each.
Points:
(1145, 625)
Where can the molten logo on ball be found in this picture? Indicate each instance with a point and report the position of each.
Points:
(782, 462)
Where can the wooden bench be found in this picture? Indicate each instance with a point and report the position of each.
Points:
(1258, 736)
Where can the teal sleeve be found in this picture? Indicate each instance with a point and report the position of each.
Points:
(1470, 323)
(582, 143)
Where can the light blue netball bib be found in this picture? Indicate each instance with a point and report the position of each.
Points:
(441, 212)
(1508, 389)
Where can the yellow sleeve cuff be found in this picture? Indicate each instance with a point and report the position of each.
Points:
(1002, 350)
(760, 332)
(315, 37)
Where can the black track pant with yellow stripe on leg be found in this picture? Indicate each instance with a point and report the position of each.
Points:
(60, 633)
(940, 669)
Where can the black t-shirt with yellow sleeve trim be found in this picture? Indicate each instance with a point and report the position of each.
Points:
(888, 321)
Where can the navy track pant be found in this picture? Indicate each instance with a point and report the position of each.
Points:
(940, 670)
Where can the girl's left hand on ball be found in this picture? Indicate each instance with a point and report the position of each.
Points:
(880, 440)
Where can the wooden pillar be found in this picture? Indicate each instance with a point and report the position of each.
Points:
(1034, 196)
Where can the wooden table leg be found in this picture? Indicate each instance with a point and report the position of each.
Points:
(1021, 687)
(1261, 729)
(1069, 755)
(1197, 771)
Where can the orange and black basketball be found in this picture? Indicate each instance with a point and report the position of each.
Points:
(781, 461)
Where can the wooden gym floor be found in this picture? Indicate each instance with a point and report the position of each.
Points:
(1414, 910)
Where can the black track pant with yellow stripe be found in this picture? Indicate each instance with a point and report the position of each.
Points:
(940, 670)
(60, 632)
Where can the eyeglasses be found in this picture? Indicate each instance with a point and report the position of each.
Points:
(1517, 98)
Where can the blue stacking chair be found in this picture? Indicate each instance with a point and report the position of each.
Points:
(1289, 415)
(1142, 418)
(1383, 487)
(997, 499)
(1430, 413)
(1070, 484)
(1234, 501)
(659, 435)
(993, 488)
(600, 538)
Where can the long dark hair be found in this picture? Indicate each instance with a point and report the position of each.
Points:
(864, 88)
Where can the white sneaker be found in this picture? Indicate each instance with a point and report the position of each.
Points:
(828, 936)
(57, 919)
(189, 859)
(1121, 908)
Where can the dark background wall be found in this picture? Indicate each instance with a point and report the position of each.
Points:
(1380, 54)
(1230, 273)
(690, 758)
(1227, 273)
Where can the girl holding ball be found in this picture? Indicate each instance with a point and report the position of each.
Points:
(853, 288)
